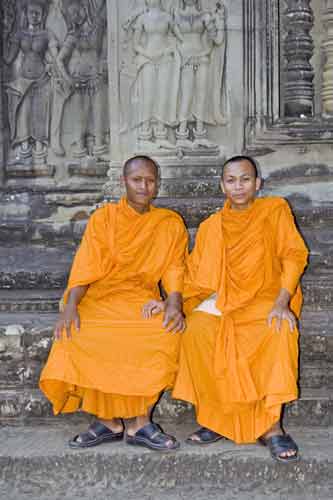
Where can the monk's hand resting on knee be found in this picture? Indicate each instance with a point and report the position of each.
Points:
(174, 320)
(70, 316)
(281, 311)
(67, 318)
(152, 307)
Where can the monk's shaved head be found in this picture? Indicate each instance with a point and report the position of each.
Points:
(139, 159)
(238, 159)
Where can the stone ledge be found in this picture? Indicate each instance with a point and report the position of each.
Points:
(314, 408)
(37, 463)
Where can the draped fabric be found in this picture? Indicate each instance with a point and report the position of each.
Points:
(235, 369)
(118, 363)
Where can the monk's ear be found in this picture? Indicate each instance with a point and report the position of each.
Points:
(222, 186)
(258, 183)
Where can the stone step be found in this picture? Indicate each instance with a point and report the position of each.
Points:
(40, 290)
(37, 463)
(25, 340)
(60, 217)
(26, 405)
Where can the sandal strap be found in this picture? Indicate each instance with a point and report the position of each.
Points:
(154, 433)
(95, 430)
(204, 434)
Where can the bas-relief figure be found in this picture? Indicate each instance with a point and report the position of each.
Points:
(158, 70)
(31, 49)
(81, 78)
(202, 65)
(180, 68)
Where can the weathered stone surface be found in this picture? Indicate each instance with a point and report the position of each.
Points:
(32, 171)
(192, 187)
(90, 169)
(37, 463)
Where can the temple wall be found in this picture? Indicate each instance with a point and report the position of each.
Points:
(86, 83)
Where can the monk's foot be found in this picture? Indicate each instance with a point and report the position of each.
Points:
(152, 436)
(97, 433)
(114, 424)
(281, 446)
(204, 436)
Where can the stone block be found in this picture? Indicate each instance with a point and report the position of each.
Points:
(10, 406)
(35, 406)
(314, 376)
(309, 411)
(90, 169)
(316, 348)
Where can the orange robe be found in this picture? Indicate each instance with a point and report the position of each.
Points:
(118, 363)
(234, 368)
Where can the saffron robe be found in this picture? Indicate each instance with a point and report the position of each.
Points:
(118, 363)
(234, 368)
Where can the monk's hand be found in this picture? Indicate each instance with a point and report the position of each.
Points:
(281, 311)
(152, 307)
(67, 318)
(173, 319)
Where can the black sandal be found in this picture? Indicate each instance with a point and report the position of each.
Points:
(205, 436)
(152, 436)
(96, 434)
(280, 444)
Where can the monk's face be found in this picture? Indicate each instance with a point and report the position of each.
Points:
(141, 184)
(240, 184)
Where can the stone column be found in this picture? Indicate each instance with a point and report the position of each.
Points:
(2, 115)
(114, 80)
(327, 48)
(298, 50)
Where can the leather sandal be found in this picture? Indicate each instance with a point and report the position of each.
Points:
(96, 434)
(152, 436)
(280, 444)
(205, 436)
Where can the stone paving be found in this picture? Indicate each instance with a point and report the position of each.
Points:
(35, 462)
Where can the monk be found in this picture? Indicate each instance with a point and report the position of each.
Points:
(111, 357)
(239, 353)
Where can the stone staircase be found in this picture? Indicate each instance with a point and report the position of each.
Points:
(40, 228)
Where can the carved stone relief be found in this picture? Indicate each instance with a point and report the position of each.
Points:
(80, 79)
(176, 82)
(298, 49)
(29, 49)
(55, 79)
(327, 47)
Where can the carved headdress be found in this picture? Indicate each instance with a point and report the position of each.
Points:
(198, 4)
(93, 8)
(23, 6)
(9, 15)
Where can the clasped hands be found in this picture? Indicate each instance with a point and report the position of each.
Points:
(173, 319)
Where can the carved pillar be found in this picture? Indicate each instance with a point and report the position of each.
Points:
(114, 82)
(2, 115)
(298, 50)
(327, 47)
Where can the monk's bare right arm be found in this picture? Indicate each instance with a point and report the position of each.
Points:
(70, 314)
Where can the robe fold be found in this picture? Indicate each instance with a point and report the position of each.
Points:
(234, 368)
(118, 363)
